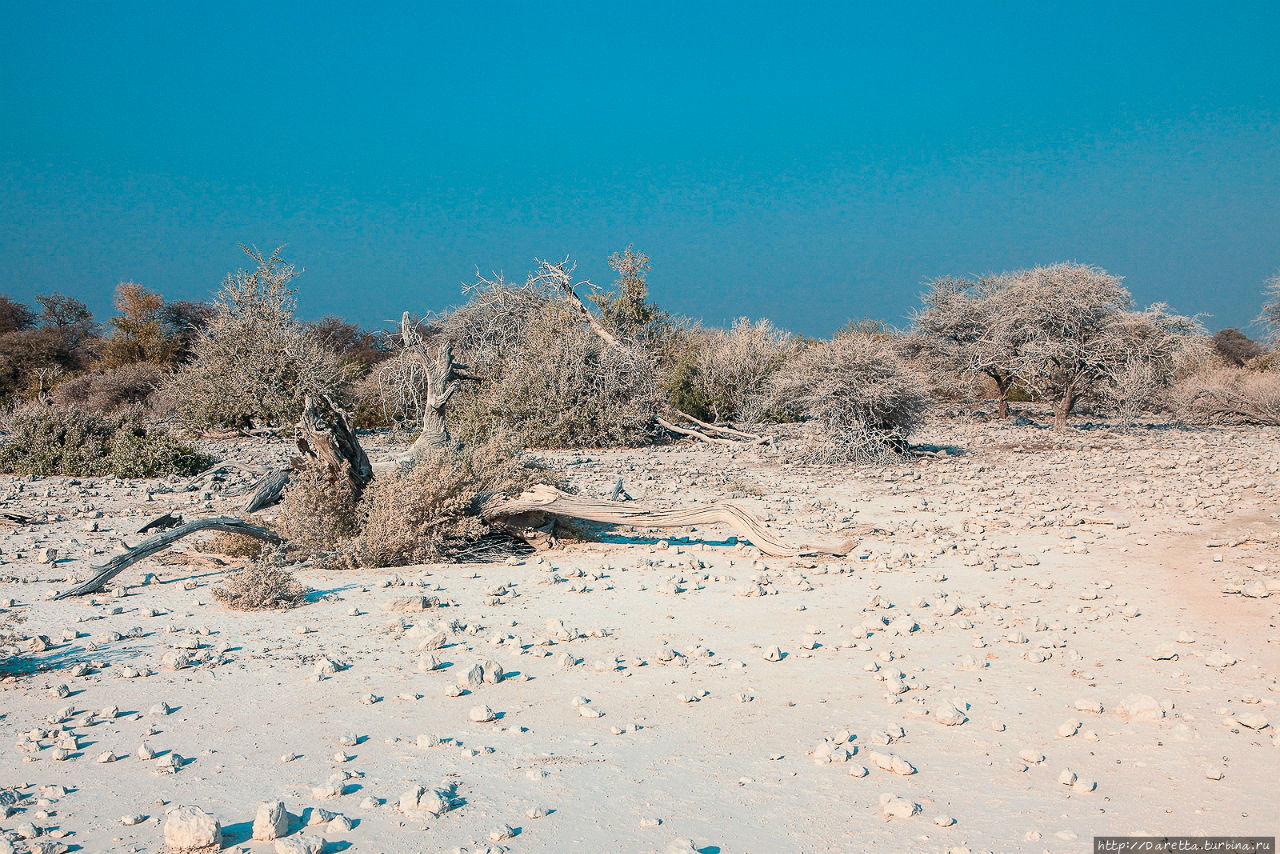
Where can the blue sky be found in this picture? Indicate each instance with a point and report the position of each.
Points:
(806, 162)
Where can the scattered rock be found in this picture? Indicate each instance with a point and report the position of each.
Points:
(189, 829)
(271, 822)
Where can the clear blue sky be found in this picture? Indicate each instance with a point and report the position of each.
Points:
(803, 161)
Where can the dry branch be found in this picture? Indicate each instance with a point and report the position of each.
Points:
(720, 428)
(146, 548)
(267, 490)
(547, 500)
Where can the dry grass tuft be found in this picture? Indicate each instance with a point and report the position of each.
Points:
(233, 545)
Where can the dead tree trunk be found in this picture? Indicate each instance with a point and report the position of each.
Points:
(146, 548)
(442, 382)
(267, 490)
(440, 377)
(324, 436)
(1062, 409)
(527, 512)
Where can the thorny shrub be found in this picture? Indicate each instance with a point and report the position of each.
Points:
(111, 391)
(48, 440)
(1229, 396)
(429, 511)
(857, 395)
(546, 379)
(254, 363)
(318, 512)
(722, 375)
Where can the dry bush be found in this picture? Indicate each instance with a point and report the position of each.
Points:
(1229, 396)
(260, 586)
(369, 407)
(625, 309)
(428, 511)
(722, 375)
(1235, 348)
(546, 379)
(319, 512)
(139, 332)
(233, 545)
(52, 440)
(254, 363)
(111, 391)
(857, 393)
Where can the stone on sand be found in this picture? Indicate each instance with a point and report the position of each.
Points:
(189, 829)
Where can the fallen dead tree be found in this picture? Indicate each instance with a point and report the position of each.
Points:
(158, 543)
(525, 516)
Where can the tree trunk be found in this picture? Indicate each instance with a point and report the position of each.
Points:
(441, 385)
(1062, 410)
(1003, 385)
(323, 436)
(146, 548)
(530, 508)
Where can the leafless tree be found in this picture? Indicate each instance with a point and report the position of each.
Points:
(1077, 337)
(1271, 308)
(963, 323)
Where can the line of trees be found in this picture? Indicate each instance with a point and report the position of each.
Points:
(548, 371)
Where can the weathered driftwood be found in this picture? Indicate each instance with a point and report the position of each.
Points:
(723, 429)
(159, 542)
(267, 490)
(694, 434)
(523, 511)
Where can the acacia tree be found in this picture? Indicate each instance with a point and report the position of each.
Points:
(1077, 336)
(964, 322)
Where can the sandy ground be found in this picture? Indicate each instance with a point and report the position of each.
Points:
(1037, 639)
